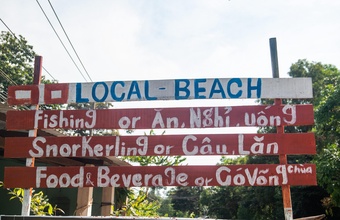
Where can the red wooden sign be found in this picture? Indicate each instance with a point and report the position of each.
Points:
(189, 145)
(149, 118)
(131, 176)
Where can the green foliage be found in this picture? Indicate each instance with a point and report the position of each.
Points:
(138, 205)
(166, 209)
(141, 205)
(186, 201)
(16, 65)
(328, 119)
(40, 204)
(144, 205)
(16, 68)
(260, 203)
(16, 58)
(328, 164)
(247, 202)
(266, 202)
(232, 160)
(307, 200)
(156, 160)
(323, 76)
(222, 202)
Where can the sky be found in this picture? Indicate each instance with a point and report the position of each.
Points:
(175, 39)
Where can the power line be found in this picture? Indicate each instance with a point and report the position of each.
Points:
(19, 41)
(69, 40)
(61, 41)
(6, 77)
(8, 28)
(49, 73)
(3, 93)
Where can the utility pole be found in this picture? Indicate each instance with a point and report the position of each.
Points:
(287, 202)
(26, 204)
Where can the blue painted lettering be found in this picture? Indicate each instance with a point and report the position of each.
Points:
(134, 90)
(257, 88)
(94, 92)
(198, 89)
(79, 99)
(180, 88)
(238, 82)
(113, 91)
(218, 90)
(183, 89)
(146, 88)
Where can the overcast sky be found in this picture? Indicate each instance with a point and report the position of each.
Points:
(170, 39)
(167, 39)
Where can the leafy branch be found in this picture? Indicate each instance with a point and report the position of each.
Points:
(40, 204)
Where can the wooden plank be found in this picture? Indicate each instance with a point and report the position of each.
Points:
(84, 200)
(138, 176)
(167, 145)
(286, 194)
(27, 195)
(163, 118)
(287, 203)
(150, 90)
(60, 161)
(108, 198)
(2, 142)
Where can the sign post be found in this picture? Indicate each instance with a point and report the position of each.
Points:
(287, 201)
(26, 204)
(277, 115)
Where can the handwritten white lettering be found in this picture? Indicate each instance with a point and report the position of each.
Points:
(59, 120)
(64, 180)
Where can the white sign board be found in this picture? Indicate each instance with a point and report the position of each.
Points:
(150, 90)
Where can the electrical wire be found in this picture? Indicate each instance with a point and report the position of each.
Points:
(61, 41)
(55, 13)
(8, 28)
(3, 96)
(6, 77)
(49, 73)
(19, 41)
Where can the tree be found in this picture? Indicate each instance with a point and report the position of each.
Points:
(166, 209)
(16, 65)
(326, 89)
(16, 59)
(266, 202)
(222, 202)
(16, 68)
(328, 117)
(328, 159)
(139, 205)
(248, 202)
(323, 76)
(186, 201)
(325, 79)
(40, 204)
